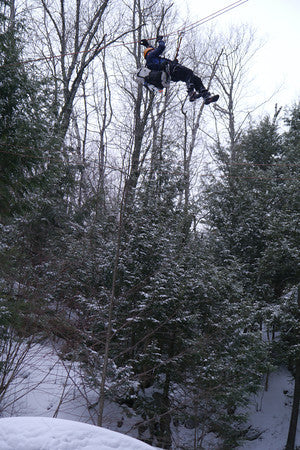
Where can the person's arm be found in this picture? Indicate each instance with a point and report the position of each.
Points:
(158, 50)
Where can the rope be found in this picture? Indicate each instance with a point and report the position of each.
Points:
(213, 15)
(179, 40)
(98, 48)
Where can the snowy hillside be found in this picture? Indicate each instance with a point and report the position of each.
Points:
(270, 414)
(32, 433)
(48, 388)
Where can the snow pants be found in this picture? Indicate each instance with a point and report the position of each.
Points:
(182, 73)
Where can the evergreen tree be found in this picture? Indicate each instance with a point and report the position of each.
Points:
(34, 182)
(25, 120)
(251, 208)
(254, 212)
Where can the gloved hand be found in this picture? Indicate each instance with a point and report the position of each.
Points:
(145, 43)
(159, 38)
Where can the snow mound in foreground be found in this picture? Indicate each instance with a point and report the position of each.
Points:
(41, 433)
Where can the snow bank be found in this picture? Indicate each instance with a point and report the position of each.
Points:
(41, 433)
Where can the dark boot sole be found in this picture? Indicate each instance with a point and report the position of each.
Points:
(212, 99)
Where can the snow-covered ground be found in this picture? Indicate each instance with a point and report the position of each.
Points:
(270, 413)
(41, 433)
(46, 387)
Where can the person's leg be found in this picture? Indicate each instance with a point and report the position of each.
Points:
(199, 86)
(193, 82)
(203, 92)
(182, 73)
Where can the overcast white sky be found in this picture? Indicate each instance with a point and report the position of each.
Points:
(277, 22)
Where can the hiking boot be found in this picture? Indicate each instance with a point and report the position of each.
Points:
(208, 98)
(193, 95)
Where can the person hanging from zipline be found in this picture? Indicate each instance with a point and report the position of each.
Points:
(176, 71)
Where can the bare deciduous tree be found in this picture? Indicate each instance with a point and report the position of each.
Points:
(233, 83)
(69, 38)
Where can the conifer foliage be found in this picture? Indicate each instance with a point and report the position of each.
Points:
(254, 211)
(25, 117)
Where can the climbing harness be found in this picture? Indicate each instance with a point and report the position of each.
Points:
(158, 80)
(153, 80)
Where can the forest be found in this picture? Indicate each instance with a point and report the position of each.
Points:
(151, 241)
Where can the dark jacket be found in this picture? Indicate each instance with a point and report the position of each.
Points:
(154, 61)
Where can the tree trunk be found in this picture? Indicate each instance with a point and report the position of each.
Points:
(12, 14)
(290, 444)
(110, 320)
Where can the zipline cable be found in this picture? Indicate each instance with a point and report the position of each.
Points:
(99, 48)
(213, 15)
